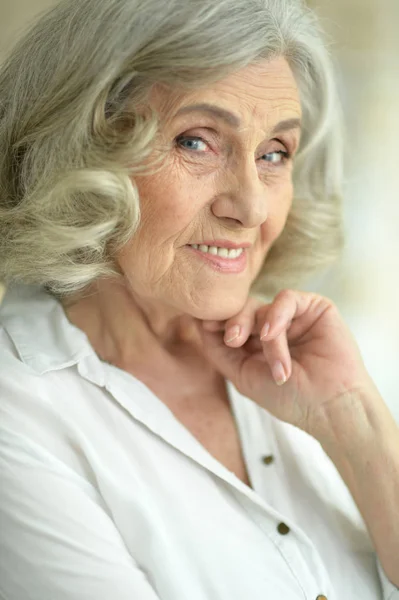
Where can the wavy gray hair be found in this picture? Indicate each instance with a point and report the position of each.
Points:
(72, 138)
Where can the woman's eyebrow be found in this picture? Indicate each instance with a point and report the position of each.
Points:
(287, 125)
(232, 119)
(216, 111)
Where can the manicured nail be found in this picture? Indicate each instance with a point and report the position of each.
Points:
(232, 333)
(278, 373)
(265, 330)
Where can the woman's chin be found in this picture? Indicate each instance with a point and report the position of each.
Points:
(220, 309)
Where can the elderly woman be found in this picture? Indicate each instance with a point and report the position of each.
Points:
(177, 422)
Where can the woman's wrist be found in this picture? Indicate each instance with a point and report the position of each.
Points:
(361, 438)
(356, 418)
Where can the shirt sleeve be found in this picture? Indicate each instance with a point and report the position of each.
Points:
(57, 539)
(390, 591)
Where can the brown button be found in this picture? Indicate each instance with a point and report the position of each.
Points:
(283, 528)
(268, 459)
(321, 597)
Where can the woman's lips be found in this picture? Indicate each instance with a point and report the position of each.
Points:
(220, 264)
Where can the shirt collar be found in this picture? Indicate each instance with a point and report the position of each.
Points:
(47, 341)
(43, 336)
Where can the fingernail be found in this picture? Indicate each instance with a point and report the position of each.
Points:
(278, 373)
(265, 330)
(232, 333)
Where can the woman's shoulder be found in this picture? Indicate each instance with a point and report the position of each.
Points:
(16, 376)
(37, 429)
(41, 391)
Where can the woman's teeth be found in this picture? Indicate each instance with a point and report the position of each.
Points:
(223, 252)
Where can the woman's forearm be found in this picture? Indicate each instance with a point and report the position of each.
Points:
(361, 437)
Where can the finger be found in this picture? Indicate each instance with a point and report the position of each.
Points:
(287, 306)
(277, 354)
(240, 327)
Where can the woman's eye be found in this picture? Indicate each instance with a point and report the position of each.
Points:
(276, 157)
(192, 143)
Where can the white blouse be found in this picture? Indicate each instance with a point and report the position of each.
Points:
(105, 495)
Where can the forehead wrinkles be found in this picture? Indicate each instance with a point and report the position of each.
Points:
(266, 82)
(266, 116)
(269, 107)
(258, 94)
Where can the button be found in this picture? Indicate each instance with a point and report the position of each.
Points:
(321, 597)
(283, 529)
(268, 459)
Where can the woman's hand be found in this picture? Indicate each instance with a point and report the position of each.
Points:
(295, 356)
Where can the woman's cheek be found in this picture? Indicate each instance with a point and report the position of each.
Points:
(280, 201)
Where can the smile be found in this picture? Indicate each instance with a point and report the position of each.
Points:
(216, 251)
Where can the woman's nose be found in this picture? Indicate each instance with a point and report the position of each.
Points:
(244, 198)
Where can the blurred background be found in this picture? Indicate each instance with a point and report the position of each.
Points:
(365, 283)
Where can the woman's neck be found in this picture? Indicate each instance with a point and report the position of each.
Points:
(132, 333)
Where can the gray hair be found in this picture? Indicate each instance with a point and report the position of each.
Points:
(72, 138)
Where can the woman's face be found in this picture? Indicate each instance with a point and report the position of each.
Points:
(226, 183)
